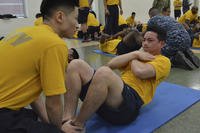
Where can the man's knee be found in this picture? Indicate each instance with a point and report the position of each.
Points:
(75, 65)
(104, 72)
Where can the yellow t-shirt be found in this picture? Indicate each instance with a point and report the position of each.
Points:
(177, 4)
(130, 21)
(83, 3)
(110, 46)
(112, 2)
(144, 27)
(187, 16)
(33, 59)
(146, 88)
(121, 20)
(196, 43)
(38, 21)
(92, 21)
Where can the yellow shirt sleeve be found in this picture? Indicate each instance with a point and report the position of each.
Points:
(52, 70)
(162, 67)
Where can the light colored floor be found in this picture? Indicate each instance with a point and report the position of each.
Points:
(186, 122)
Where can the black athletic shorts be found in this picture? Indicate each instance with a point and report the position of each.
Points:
(83, 15)
(23, 121)
(126, 113)
(177, 13)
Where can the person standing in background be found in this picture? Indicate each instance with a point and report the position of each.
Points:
(160, 4)
(112, 15)
(177, 8)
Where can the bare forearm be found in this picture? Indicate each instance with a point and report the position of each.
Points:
(54, 110)
(142, 70)
(39, 107)
(121, 61)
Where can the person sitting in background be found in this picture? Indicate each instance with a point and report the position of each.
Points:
(39, 19)
(189, 17)
(177, 8)
(131, 20)
(72, 54)
(116, 99)
(93, 30)
(132, 41)
(194, 34)
(122, 23)
(166, 11)
(186, 6)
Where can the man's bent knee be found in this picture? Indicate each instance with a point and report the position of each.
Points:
(104, 72)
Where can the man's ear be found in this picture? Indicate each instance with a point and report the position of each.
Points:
(162, 43)
(59, 16)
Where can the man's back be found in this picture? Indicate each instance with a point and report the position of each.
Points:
(23, 56)
(167, 23)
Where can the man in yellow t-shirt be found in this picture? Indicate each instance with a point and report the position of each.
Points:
(34, 60)
(39, 19)
(117, 99)
(112, 16)
(131, 41)
(131, 20)
(189, 16)
(177, 8)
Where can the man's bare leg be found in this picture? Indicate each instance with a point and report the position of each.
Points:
(106, 87)
(78, 74)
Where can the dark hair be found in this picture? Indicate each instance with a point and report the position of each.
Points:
(75, 53)
(48, 6)
(153, 12)
(133, 39)
(161, 33)
(38, 15)
(165, 9)
(133, 13)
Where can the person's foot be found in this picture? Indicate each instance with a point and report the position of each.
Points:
(69, 127)
(193, 58)
(180, 61)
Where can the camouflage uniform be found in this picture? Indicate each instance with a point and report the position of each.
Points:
(178, 38)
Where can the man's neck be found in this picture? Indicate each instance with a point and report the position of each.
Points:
(52, 24)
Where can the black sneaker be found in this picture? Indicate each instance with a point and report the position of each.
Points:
(180, 61)
(193, 58)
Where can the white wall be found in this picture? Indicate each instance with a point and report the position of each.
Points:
(32, 6)
(141, 8)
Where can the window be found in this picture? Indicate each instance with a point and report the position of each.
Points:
(14, 7)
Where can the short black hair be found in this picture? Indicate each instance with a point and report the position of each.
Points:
(153, 11)
(133, 13)
(75, 53)
(38, 15)
(47, 6)
(165, 9)
(162, 35)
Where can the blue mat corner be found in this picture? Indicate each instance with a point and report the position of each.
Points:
(169, 101)
(103, 53)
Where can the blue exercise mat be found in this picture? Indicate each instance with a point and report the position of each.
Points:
(195, 48)
(169, 101)
(103, 53)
